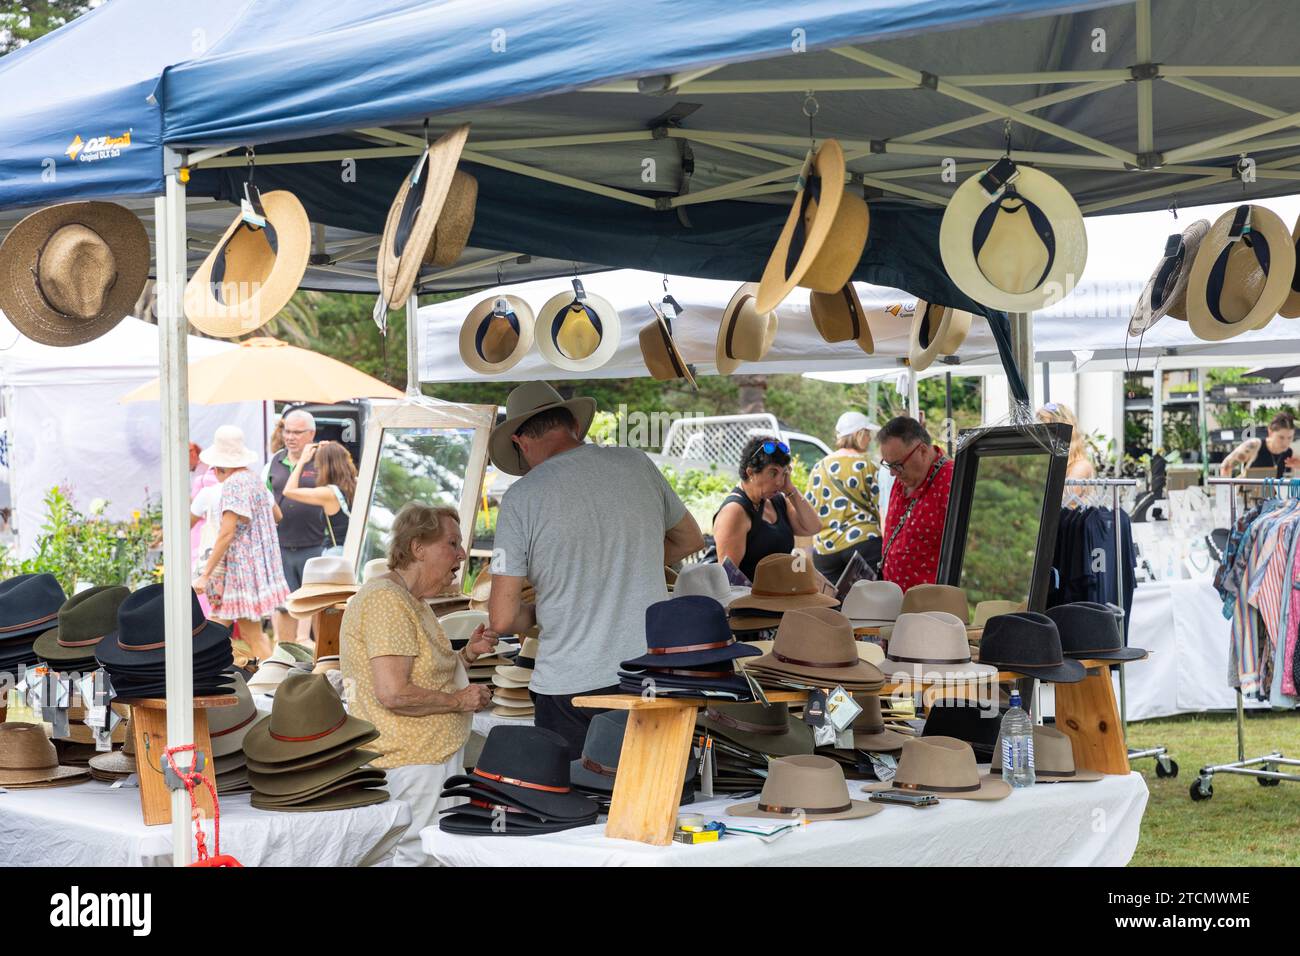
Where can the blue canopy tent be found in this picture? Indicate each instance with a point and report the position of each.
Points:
(662, 135)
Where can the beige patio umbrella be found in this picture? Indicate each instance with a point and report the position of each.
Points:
(266, 369)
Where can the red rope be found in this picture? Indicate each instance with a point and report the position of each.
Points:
(189, 777)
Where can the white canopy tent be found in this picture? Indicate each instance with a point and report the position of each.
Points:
(66, 428)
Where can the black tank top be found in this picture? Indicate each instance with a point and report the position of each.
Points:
(1266, 459)
(763, 538)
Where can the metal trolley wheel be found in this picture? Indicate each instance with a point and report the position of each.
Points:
(1166, 767)
(1202, 789)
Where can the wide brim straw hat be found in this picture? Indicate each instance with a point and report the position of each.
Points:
(936, 330)
(1239, 285)
(496, 334)
(840, 317)
(1165, 293)
(577, 334)
(455, 222)
(745, 334)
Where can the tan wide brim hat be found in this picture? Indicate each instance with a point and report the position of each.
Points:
(835, 226)
(943, 767)
(1290, 309)
(987, 609)
(745, 334)
(1166, 291)
(1053, 759)
(28, 758)
(811, 787)
(409, 232)
(936, 330)
(493, 340)
(840, 317)
(256, 280)
(125, 250)
(1227, 277)
(936, 597)
(660, 353)
(577, 336)
(523, 403)
(451, 232)
(783, 582)
(995, 252)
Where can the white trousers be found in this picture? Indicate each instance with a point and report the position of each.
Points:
(419, 786)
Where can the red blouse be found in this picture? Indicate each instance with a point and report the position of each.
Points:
(913, 558)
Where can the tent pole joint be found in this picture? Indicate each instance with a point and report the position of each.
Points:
(1145, 71)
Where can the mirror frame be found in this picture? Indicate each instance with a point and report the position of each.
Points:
(1006, 440)
(417, 415)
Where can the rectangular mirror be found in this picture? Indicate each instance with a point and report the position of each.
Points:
(417, 452)
(1003, 514)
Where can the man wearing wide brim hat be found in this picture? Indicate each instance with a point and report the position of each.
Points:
(71, 272)
(591, 527)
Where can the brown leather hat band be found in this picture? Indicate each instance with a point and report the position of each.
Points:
(810, 811)
(925, 788)
(93, 640)
(157, 644)
(40, 620)
(243, 723)
(687, 673)
(794, 660)
(595, 767)
(782, 594)
(514, 782)
(688, 648)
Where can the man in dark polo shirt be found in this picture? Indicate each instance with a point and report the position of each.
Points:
(302, 529)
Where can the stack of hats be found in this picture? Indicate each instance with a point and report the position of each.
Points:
(808, 788)
(977, 726)
(594, 772)
(134, 654)
(1053, 759)
(745, 739)
(510, 696)
(28, 759)
(690, 652)
(873, 603)
(29, 605)
(710, 580)
(83, 621)
(943, 767)
(782, 582)
(869, 730)
(931, 647)
(1028, 643)
(272, 671)
(1091, 632)
(938, 597)
(228, 726)
(816, 648)
(482, 591)
(521, 786)
(117, 764)
(307, 755)
(326, 580)
(459, 627)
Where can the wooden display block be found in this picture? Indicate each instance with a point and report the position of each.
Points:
(149, 719)
(326, 624)
(1086, 712)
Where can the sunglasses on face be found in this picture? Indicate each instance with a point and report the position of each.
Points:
(897, 466)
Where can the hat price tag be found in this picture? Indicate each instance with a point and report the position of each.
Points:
(380, 315)
(841, 708)
(57, 718)
(103, 740)
(844, 739)
(814, 712)
(884, 766)
(130, 782)
(579, 293)
(826, 735)
(755, 688)
(250, 208)
(998, 177)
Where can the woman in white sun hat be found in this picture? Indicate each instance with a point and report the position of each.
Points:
(244, 577)
(843, 490)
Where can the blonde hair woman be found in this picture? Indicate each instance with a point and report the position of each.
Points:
(1078, 465)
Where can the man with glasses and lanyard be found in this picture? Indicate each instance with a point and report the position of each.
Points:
(302, 527)
(918, 503)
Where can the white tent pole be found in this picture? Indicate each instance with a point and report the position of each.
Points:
(1237, 139)
(1022, 351)
(1145, 105)
(412, 346)
(913, 395)
(1157, 407)
(174, 391)
(1223, 96)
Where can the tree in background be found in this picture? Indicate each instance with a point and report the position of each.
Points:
(23, 22)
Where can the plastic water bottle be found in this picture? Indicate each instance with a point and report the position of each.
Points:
(1017, 745)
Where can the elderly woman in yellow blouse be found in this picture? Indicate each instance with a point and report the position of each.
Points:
(402, 674)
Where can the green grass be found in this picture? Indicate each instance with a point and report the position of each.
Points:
(1244, 824)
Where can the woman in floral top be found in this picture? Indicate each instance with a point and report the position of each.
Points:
(244, 576)
(843, 490)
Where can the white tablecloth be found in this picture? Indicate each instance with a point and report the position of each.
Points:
(485, 720)
(91, 824)
(1079, 824)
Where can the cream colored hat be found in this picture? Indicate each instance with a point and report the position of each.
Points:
(326, 580)
(936, 330)
(459, 625)
(496, 334)
(931, 644)
(577, 331)
(987, 609)
(373, 568)
(1166, 291)
(1242, 274)
(710, 580)
(228, 449)
(870, 603)
(745, 334)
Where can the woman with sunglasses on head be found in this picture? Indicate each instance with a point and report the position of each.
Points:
(763, 513)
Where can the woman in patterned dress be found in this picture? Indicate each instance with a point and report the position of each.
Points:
(843, 487)
(244, 578)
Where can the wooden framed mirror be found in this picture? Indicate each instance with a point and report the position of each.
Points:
(415, 451)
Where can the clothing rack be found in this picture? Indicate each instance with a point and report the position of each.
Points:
(1165, 766)
(1203, 786)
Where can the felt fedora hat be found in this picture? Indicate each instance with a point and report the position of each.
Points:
(29, 604)
(869, 731)
(710, 580)
(83, 621)
(333, 752)
(807, 786)
(349, 798)
(140, 636)
(326, 580)
(414, 215)
(762, 728)
(496, 334)
(1013, 238)
(71, 272)
(365, 777)
(523, 403)
(27, 756)
(816, 646)
(840, 317)
(309, 779)
(1290, 309)
(936, 597)
(870, 603)
(306, 719)
(745, 334)
(931, 644)
(455, 222)
(518, 674)
(783, 582)
(978, 726)
(230, 725)
(1028, 643)
(1053, 759)
(577, 331)
(686, 632)
(1166, 290)
(530, 764)
(946, 768)
(660, 353)
(1242, 274)
(987, 609)
(1091, 631)
(824, 234)
(228, 449)
(596, 768)
(936, 330)
(251, 274)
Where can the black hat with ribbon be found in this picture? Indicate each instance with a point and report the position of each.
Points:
(686, 632)
(141, 635)
(530, 766)
(1028, 643)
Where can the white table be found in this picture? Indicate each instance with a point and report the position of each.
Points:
(91, 824)
(1063, 824)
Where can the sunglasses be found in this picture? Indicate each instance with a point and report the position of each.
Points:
(769, 447)
(897, 466)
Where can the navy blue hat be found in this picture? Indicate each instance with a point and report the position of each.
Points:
(140, 638)
(688, 631)
(1028, 643)
(29, 604)
(1090, 631)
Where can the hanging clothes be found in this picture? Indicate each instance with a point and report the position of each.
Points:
(1084, 560)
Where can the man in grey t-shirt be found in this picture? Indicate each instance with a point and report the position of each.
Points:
(591, 527)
